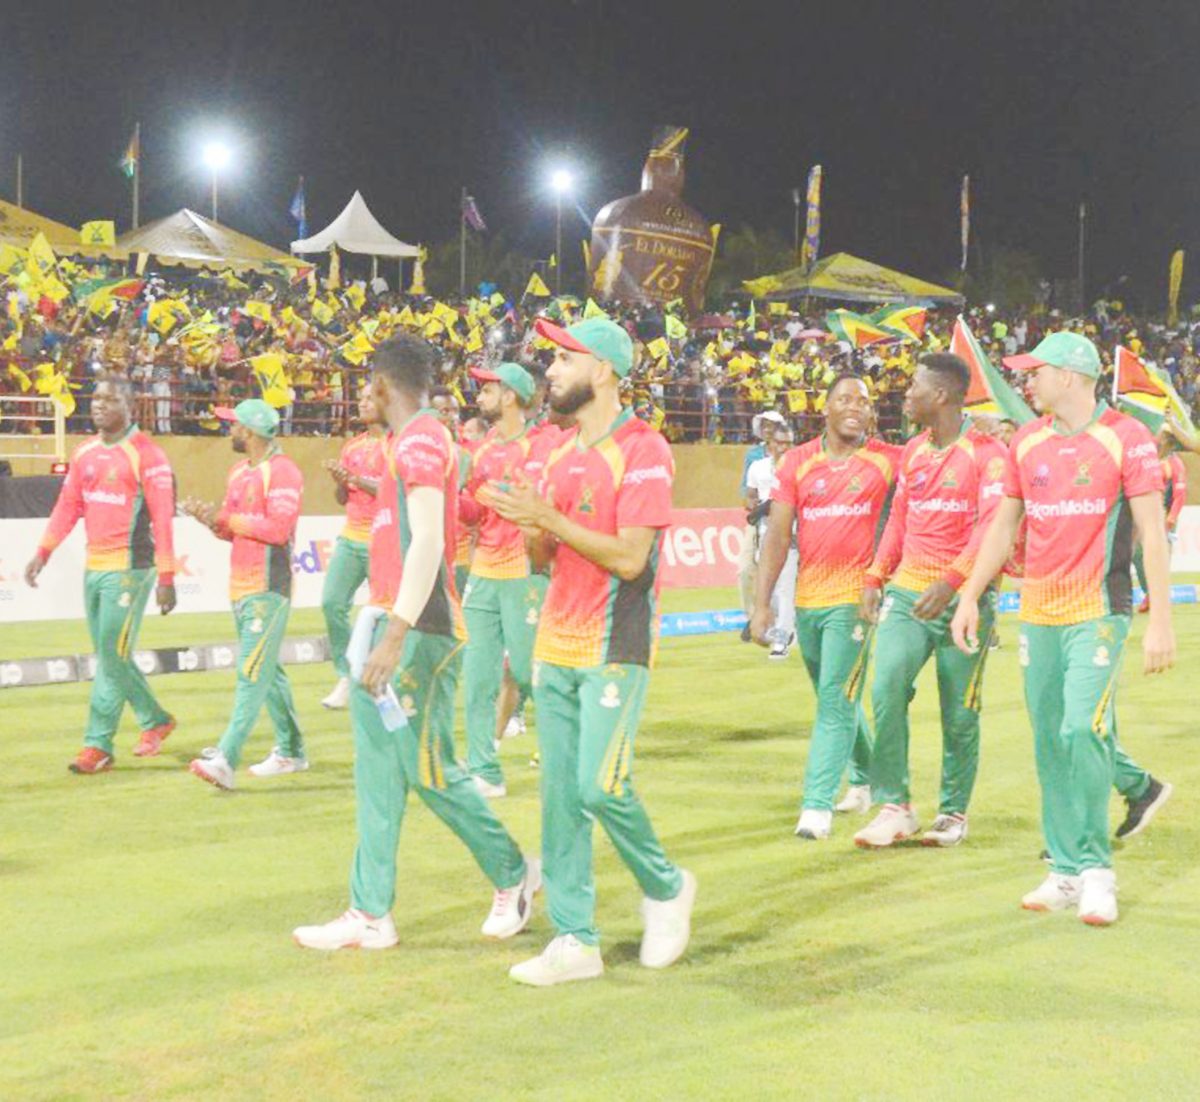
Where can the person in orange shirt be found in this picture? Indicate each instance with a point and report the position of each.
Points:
(357, 473)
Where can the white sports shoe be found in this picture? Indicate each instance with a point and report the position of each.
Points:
(857, 800)
(668, 925)
(213, 768)
(1098, 897)
(513, 907)
(340, 696)
(515, 726)
(353, 930)
(781, 648)
(814, 824)
(1056, 893)
(947, 830)
(276, 764)
(488, 790)
(894, 823)
(566, 958)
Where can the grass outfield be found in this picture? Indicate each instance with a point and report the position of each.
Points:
(146, 916)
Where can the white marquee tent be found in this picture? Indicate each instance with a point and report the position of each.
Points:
(356, 230)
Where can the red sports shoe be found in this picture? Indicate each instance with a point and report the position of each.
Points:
(91, 760)
(152, 739)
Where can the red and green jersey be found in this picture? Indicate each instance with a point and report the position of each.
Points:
(422, 453)
(1174, 488)
(1079, 526)
(591, 617)
(841, 506)
(259, 514)
(362, 455)
(944, 499)
(499, 545)
(125, 492)
(466, 533)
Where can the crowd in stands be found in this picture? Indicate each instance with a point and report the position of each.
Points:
(191, 341)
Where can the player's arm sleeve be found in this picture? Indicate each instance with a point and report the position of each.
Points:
(66, 513)
(988, 498)
(425, 553)
(644, 496)
(158, 488)
(283, 510)
(887, 554)
(1178, 492)
(784, 490)
(1141, 469)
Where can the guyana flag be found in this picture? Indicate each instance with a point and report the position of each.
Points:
(989, 392)
(1144, 393)
(96, 293)
(905, 321)
(857, 330)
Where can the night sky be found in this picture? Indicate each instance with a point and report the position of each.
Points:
(1044, 104)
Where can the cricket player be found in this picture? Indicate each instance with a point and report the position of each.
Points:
(402, 706)
(356, 473)
(761, 480)
(121, 484)
(834, 493)
(1085, 478)
(607, 502)
(501, 602)
(949, 484)
(258, 516)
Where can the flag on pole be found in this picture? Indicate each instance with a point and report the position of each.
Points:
(1174, 282)
(133, 154)
(989, 392)
(298, 212)
(856, 329)
(905, 321)
(272, 380)
(471, 214)
(812, 225)
(964, 218)
(98, 233)
(1143, 392)
(536, 287)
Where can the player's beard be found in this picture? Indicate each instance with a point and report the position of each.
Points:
(239, 445)
(573, 400)
(490, 416)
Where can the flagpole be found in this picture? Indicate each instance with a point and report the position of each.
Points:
(1082, 222)
(137, 170)
(20, 181)
(796, 223)
(462, 244)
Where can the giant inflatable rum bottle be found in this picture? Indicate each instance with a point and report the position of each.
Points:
(652, 247)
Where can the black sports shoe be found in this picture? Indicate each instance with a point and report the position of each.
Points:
(1044, 856)
(1142, 810)
(746, 633)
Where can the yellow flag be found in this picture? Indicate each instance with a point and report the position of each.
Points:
(232, 282)
(357, 349)
(10, 258)
(42, 260)
(335, 269)
(268, 370)
(445, 314)
(587, 255)
(553, 262)
(658, 348)
(260, 310)
(676, 330)
(1174, 282)
(418, 276)
(311, 281)
(16, 373)
(591, 310)
(536, 287)
(166, 313)
(356, 295)
(321, 312)
(54, 289)
(797, 401)
(406, 317)
(98, 233)
(142, 258)
(497, 299)
(475, 339)
(777, 309)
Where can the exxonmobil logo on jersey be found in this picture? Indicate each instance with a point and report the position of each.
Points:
(702, 546)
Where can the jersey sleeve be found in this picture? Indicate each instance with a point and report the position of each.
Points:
(891, 545)
(158, 488)
(644, 496)
(66, 513)
(785, 483)
(422, 460)
(1141, 469)
(283, 508)
(470, 510)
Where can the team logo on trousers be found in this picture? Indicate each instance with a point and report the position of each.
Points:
(611, 697)
(125, 600)
(409, 705)
(1101, 657)
(858, 635)
(531, 617)
(1023, 651)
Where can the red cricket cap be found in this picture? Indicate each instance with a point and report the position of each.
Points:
(1026, 362)
(483, 375)
(224, 413)
(558, 335)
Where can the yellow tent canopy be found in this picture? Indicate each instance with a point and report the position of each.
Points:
(19, 226)
(189, 239)
(850, 278)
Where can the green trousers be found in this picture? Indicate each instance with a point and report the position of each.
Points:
(903, 644)
(387, 764)
(834, 644)
(501, 616)
(261, 624)
(347, 571)
(115, 601)
(1070, 683)
(587, 720)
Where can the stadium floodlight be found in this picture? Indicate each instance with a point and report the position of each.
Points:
(216, 157)
(562, 180)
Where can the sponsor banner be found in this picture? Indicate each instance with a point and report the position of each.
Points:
(701, 548)
(299, 650)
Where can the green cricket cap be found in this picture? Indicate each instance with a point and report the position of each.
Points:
(260, 418)
(604, 339)
(1068, 351)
